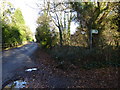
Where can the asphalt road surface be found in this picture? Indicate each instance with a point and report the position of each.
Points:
(15, 59)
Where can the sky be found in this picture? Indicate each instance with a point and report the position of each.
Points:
(30, 13)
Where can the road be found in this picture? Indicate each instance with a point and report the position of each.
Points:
(15, 59)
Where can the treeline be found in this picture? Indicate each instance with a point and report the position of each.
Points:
(81, 48)
(102, 16)
(14, 30)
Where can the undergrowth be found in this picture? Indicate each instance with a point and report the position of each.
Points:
(70, 57)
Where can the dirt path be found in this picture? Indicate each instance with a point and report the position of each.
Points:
(48, 76)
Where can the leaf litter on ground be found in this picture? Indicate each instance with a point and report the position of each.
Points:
(48, 76)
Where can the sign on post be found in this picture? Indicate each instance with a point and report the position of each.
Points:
(94, 31)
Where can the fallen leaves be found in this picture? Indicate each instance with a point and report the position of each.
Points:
(77, 78)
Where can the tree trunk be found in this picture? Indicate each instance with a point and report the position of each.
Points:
(61, 39)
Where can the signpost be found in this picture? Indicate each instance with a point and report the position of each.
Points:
(93, 31)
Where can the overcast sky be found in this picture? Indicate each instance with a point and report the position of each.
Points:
(30, 12)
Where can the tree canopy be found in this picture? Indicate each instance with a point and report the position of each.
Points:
(14, 30)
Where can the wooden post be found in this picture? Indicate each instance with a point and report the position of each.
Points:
(91, 39)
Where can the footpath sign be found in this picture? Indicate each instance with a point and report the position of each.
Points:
(94, 31)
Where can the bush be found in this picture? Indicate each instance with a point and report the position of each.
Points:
(84, 58)
(44, 35)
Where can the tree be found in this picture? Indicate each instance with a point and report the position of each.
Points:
(17, 18)
(91, 15)
(14, 31)
(61, 17)
(43, 34)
